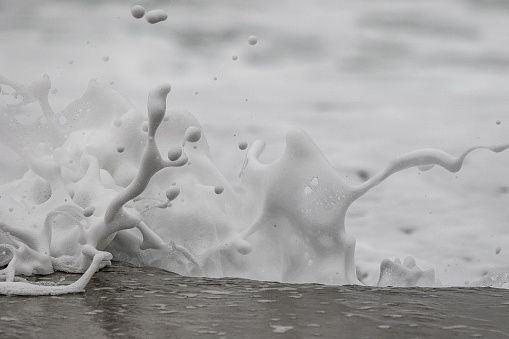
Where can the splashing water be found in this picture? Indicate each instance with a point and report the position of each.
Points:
(103, 180)
(98, 184)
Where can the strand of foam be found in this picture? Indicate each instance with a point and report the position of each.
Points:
(290, 227)
(304, 199)
(25, 288)
(151, 163)
(393, 273)
(424, 159)
(31, 246)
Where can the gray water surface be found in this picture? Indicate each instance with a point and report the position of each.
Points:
(132, 302)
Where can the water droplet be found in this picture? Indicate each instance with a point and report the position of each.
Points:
(87, 212)
(192, 134)
(252, 40)
(234, 57)
(243, 145)
(219, 189)
(138, 11)
(174, 153)
(172, 192)
(106, 58)
(155, 16)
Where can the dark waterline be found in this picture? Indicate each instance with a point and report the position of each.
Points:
(132, 302)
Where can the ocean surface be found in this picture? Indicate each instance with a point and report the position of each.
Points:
(129, 302)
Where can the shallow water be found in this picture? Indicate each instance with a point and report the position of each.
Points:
(126, 301)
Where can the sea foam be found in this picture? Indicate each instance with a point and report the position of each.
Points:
(107, 180)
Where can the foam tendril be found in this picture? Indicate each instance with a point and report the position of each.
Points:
(103, 187)
(83, 235)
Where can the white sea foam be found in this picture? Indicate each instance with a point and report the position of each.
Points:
(364, 105)
(82, 196)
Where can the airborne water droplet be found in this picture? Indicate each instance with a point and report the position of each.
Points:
(138, 11)
(155, 16)
(243, 145)
(252, 40)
